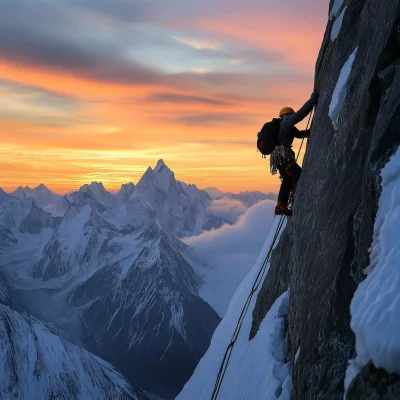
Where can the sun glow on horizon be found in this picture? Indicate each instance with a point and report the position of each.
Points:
(193, 89)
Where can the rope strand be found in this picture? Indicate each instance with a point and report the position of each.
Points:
(259, 278)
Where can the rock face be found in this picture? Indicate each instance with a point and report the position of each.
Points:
(374, 384)
(324, 250)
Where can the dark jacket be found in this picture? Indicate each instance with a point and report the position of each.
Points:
(288, 131)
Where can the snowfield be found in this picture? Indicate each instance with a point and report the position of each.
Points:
(257, 368)
(375, 308)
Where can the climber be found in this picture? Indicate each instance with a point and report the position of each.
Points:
(283, 157)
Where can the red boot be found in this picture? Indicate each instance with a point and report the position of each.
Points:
(282, 209)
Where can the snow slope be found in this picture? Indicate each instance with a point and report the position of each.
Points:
(375, 308)
(36, 364)
(257, 369)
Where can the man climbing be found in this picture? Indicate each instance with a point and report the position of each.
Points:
(283, 157)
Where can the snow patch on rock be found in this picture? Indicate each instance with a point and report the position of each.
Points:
(336, 9)
(340, 90)
(337, 26)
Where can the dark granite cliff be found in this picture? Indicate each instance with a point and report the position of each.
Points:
(325, 247)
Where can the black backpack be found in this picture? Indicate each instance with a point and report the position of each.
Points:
(268, 137)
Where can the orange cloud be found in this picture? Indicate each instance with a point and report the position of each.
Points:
(203, 125)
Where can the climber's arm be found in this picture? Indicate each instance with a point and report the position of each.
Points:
(295, 118)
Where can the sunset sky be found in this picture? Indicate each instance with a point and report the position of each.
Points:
(98, 90)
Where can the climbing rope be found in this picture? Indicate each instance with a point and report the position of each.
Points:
(256, 284)
(302, 141)
(259, 278)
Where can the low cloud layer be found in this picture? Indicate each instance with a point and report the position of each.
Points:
(229, 209)
(224, 257)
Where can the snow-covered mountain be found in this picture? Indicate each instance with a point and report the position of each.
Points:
(180, 208)
(125, 192)
(100, 194)
(37, 364)
(118, 277)
(213, 192)
(73, 243)
(40, 194)
(24, 215)
(149, 312)
(137, 296)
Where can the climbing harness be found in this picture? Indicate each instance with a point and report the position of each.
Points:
(280, 156)
(259, 279)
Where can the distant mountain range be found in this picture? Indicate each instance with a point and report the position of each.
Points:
(114, 271)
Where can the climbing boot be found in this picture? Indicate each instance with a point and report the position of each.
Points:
(282, 209)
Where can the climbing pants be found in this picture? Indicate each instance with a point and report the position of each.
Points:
(290, 174)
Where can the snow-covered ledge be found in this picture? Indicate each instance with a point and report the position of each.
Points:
(375, 308)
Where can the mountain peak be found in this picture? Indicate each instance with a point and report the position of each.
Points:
(125, 192)
(126, 186)
(3, 194)
(164, 174)
(213, 192)
(41, 188)
(160, 164)
(21, 193)
(93, 186)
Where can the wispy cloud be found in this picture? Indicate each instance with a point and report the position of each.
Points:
(182, 98)
(98, 76)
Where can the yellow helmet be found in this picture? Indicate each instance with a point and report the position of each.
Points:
(285, 111)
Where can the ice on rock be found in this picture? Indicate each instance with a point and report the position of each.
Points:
(337, 26)
(336, 9)
(375, 308)
(340, 90)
